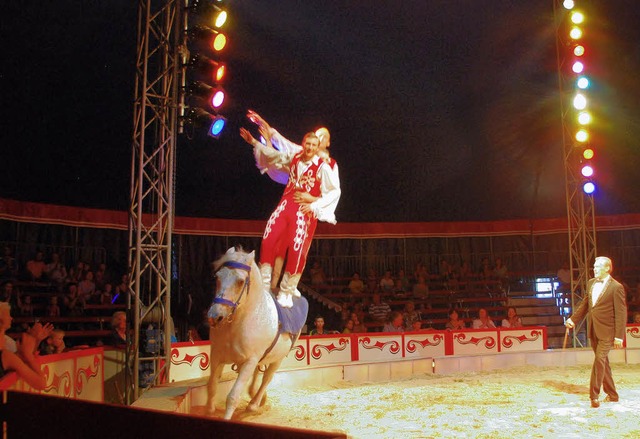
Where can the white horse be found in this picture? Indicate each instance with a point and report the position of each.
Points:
(244, 330)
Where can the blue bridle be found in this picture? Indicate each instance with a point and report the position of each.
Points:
(247, 283)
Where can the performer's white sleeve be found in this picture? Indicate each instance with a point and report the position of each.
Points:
(272, 162)
(283, 145)
(324, 207)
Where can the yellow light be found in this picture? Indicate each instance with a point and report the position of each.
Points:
(578, 50)
(584, 118)
(575, 33)
(577, 17)
(588, 153)
(221, 19)
(219, 42)
(220, 72)
(582, 136)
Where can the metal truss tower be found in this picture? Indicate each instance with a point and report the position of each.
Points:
(151, 211)
(580, 206)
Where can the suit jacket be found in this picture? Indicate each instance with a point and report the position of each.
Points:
(609, 315)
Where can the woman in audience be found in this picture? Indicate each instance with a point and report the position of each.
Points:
(512, 320)
(454, 322)
(25, 363)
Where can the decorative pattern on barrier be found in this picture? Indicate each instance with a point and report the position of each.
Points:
(189, 359)
(489, 342)
(57, 381)
(394, 346)
(316, 351)
(300, 351)
(508, 340)
(412, 344)
(88, 373)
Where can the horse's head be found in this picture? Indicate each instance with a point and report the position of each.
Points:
(233, 282)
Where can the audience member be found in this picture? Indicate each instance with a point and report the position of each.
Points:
(410, 315)
(26, 306)
(9, 294)
(378, 310)
(387, 284)
(119, 329)
(512, 320)
(319, 327)
(36, 267)
(500, 271)
(74, 304)
(465, 273)
(318, 277)
(483, 321)
(420, 271)
(348, 327)
(454, 323)
(486, 271)
(121, 290)
(372, 281)
(23, 362)
(356, 286)
(403, 283)
(56, 271)
(54, 344)
(8, 265)
(101, 277)
(395, 323)
(358, 326)
(421, 289)
(87, 287)
(105, 296)
(53, 310)
(417, 325)
(636, 318)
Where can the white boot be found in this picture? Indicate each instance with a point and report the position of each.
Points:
(288, 286)
(265, 272)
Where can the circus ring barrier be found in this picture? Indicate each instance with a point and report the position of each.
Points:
(80, 378)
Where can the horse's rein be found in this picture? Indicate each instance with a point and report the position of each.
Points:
(241, 266)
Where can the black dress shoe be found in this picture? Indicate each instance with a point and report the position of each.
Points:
(595, 403)
(610, 399)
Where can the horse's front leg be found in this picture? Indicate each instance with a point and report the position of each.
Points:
(212, 385)
(246, 370)
(260, 397)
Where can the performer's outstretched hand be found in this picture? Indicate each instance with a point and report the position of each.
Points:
(569, 324)
(258, 120)
(246, 135)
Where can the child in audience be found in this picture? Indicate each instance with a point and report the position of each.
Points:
(54, 344)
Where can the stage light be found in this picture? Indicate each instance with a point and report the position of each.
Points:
(214, 71)
(589, 188)
(215, 123)
(575, 33)
(588, 154)
(220, 19)
(203, 34)
(207, 9)
(577, 17)
(587, 171)
(579, 102)
(577, 67)
(578, 50)
(568, 4)
(582, 136)
(584, 118)
(214, 96)
(582, 82)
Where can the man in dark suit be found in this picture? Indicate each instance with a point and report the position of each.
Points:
(605, 306)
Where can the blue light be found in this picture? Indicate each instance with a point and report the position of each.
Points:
(589, 187)
(217, 126)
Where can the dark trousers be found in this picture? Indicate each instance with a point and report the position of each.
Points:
(601, 377)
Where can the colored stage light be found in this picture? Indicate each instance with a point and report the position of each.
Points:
(577, 67)
(216, 40)
(577, 17)
(214, 71)
(584, 118)
(582, 82)
(217, 99)
(220, 19)
(578, 50)
(568, 4)
(217, 126)
(589, 188)
(587, 171)
(575, 33)
(588, 154)
(579, 102)
(582, 136)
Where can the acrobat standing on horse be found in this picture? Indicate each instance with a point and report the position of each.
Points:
(311, 194)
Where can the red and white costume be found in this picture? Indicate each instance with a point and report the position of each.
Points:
(289, 232)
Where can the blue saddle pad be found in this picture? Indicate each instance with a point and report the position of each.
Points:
(292, 319)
